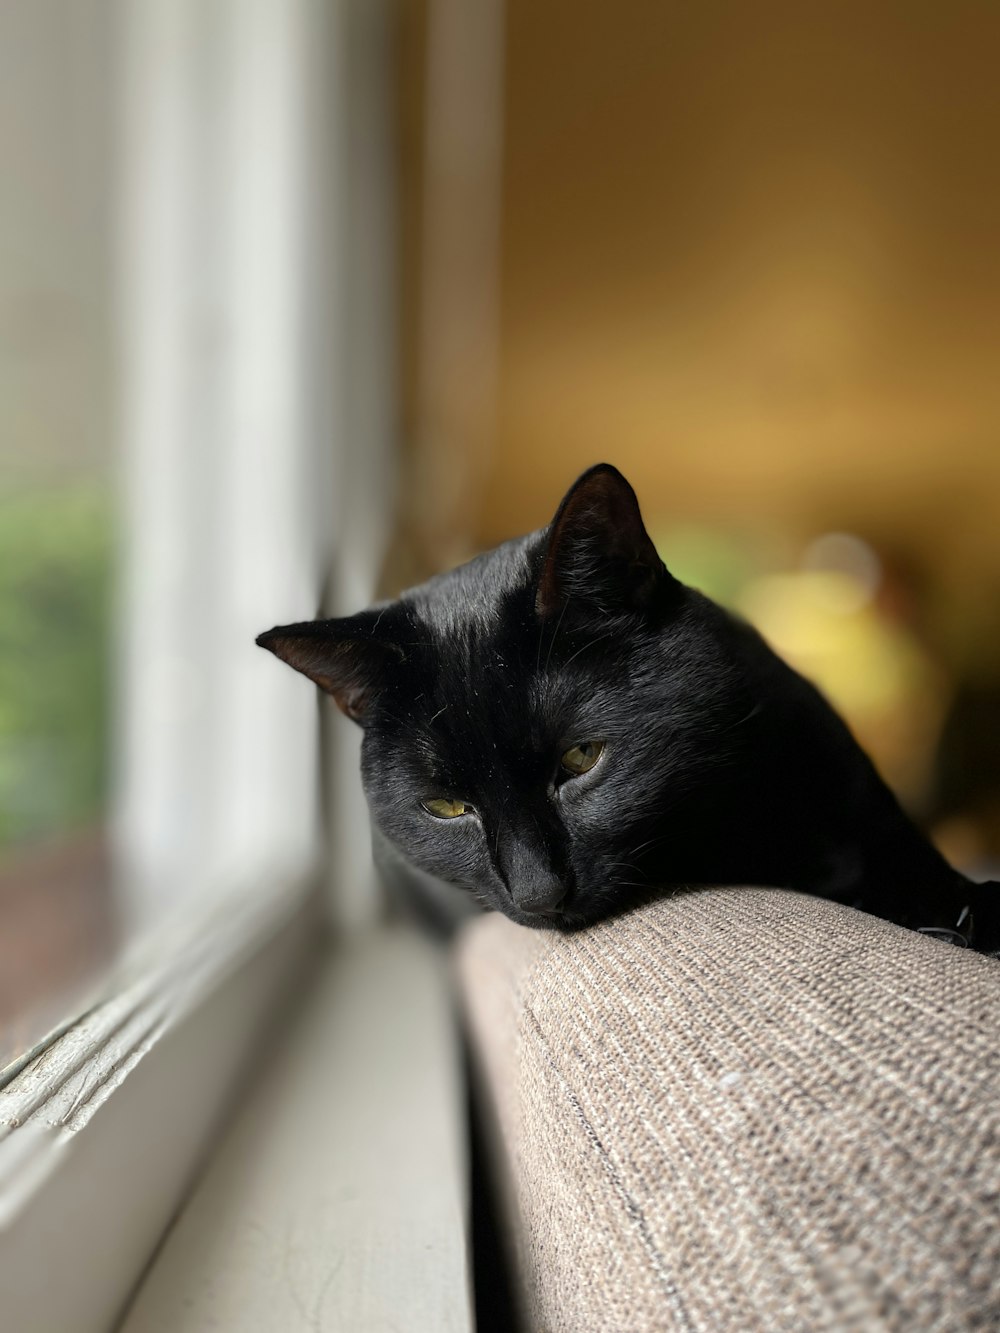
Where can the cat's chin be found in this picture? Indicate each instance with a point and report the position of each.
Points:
(581, 916)
(536, 920)
(567, 923)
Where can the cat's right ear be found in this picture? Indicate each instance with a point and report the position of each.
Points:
(599, 554)
(343, 657)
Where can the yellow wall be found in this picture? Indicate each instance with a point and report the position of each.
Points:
(751, 255)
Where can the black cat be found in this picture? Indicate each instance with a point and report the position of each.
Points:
(561, 727)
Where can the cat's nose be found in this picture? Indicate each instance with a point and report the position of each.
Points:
(542, 894)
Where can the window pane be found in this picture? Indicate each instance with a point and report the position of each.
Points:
(57, 511)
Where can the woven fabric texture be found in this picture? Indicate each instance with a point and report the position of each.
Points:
(742, 1109)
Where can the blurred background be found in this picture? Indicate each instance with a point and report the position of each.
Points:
(303, 300)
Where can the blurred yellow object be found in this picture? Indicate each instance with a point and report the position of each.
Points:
(826, 625)
(960, 840)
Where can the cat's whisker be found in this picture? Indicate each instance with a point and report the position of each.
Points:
(665, 839)
(650, 842)
(552, 641)
(624, 865)
(757, 708)
(600, 639)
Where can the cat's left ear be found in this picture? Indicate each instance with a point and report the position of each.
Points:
(343, 657)
(599, 552)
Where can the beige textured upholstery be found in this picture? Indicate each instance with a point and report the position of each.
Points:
(741, 1109)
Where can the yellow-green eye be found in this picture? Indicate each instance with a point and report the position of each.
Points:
(582, 758)
(442, 807)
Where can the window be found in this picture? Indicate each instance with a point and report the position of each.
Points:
(203, 153)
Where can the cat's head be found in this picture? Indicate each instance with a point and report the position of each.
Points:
(537, 721)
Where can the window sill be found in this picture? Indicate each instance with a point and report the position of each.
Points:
(337, 1197)
(103, 1130)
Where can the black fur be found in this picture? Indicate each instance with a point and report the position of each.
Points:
(721, 764)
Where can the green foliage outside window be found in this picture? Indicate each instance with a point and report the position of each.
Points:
(55, 599)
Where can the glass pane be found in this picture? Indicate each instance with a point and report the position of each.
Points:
(57, 511)
(167, 471)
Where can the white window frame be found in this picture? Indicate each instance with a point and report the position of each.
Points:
(105, 1125)
(141, 1106)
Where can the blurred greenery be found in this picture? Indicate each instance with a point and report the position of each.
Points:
(56, 548)
(716, 562)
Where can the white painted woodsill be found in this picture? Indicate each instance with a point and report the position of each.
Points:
(103, 1131)
(337, 1198)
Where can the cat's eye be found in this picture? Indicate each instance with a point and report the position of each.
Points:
(582, 758)
(443, 807)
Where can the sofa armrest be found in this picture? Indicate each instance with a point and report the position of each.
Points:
(743, 1109)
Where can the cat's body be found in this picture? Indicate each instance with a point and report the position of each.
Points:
(560, 727)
